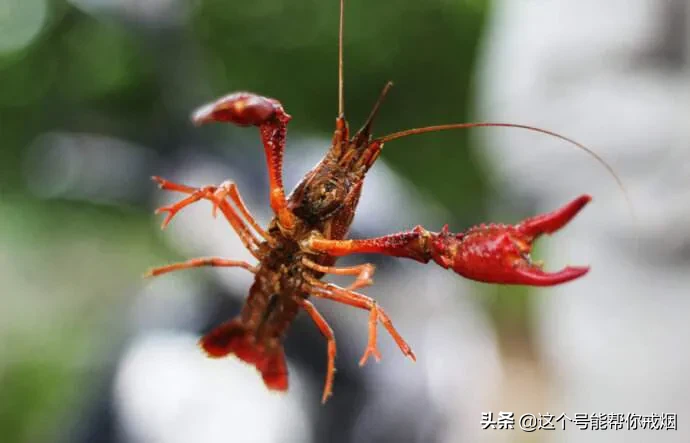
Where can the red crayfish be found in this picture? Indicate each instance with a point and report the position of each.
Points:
(309, 231)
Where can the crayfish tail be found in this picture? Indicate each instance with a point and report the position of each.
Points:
(233, 337)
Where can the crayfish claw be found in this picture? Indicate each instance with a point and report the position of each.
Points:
(240, 108)
(534, 276)
(497, 253)
(553, 221)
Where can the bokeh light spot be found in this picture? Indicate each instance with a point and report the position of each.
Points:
(20, 23)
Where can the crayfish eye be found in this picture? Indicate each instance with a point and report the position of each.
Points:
(330, 188)
(322, 198)
(328, 198)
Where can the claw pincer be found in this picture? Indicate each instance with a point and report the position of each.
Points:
(240, 108)
(498, 253)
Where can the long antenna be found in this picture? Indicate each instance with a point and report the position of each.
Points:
(597, 157)
(341, 94)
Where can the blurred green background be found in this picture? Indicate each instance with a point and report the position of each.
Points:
(133, 71)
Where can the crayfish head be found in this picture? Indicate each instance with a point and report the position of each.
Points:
(322, 194)
(498, 253)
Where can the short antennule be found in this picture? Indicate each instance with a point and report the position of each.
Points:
(366, 128)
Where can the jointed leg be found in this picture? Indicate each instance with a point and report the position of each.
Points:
(330, 339)
(199, 262)
(226, 189)
(229, 189)
(243, 109)
(273, 138)
(412, 244)
(249, 240)
(363, 272)
(167, 185)
(338, 294)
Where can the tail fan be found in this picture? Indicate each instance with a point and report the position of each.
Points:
(234, 338)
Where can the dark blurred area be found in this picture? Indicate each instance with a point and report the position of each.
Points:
(95, 97)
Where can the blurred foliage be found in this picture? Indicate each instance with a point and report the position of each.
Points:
(71, 264)
(288, 50)
(36, 390)
(88, 73)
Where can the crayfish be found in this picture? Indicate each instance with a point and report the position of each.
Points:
(309, 232)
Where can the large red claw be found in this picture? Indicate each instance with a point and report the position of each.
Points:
(500, 253)
(240, 108)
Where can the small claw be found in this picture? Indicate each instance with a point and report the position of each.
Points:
(370, 351)
(159, 180)
(167, 221)
(171, 213)
(219, 196)
(173, 209)
(500, 253)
